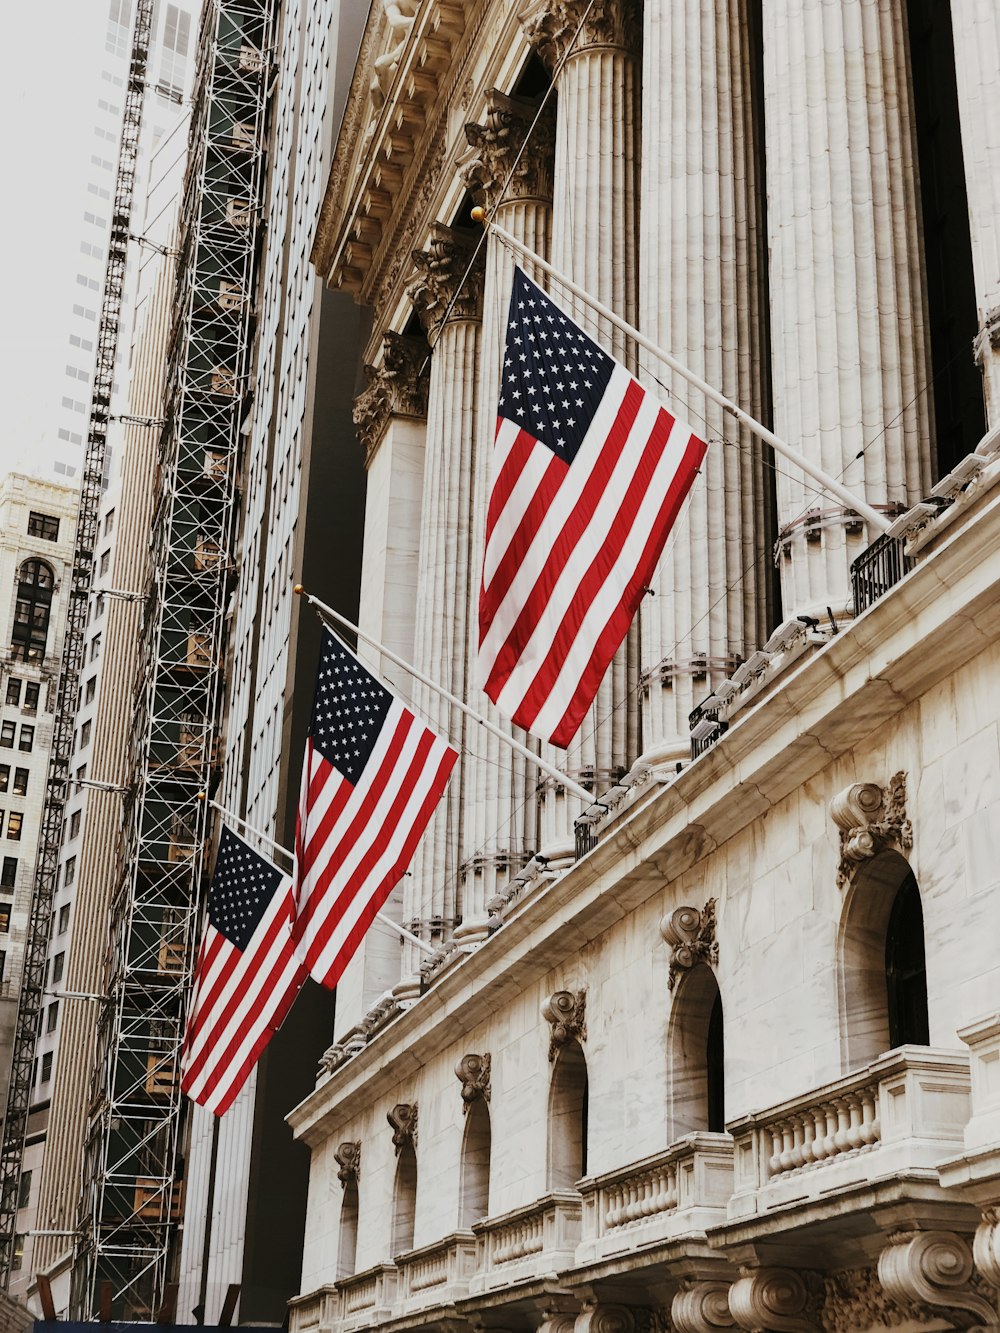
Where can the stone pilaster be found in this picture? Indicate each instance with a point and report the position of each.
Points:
(444, 573)
(594, 241)
(848, 321)
(500, 815)
(701, 299)
(976, 25)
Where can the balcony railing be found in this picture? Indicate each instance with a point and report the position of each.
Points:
(366, 1298)
(315, 1312)
(436, 1274)
(682, 1190)
(905, 1111)
(527, 1242)
(877, 569)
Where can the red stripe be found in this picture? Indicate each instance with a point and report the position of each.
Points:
(617, 627)
(408, 782)
(506, 478)
(305, 910)
(381, 892)
(565, 544)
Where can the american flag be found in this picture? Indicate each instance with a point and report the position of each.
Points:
(589, 473)
(247, 974)
(372, 775)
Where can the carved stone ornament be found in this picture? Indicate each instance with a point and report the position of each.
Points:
(986, 1246)
(441, 267)
(496, 146)
(567, 1015)
(348, 1159)
(395, 388)
(690, 935)
(399, 17)
(934, 1269)
(701, 1307)
(473, 1071)
(777, 1300)
(594, 1318)
(403, 1119)
(551, 27)
(870, 819)
(856, 1299)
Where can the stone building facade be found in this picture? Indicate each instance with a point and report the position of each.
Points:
(718, 1051)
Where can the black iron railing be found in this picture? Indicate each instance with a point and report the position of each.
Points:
(877, 569)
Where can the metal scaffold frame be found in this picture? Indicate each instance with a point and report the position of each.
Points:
(133, 1187)
(29, 1009)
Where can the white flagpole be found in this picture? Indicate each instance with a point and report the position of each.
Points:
(537, 760)
(276, 846)
(828, 483)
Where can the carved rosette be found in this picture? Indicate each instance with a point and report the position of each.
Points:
(776, 1299)
(934, 1269)
(473, 1072)
(551, 27)
(397, 387)
(701, 1307)
(496, 146)
(348, 1159)
(690, 935)
(870, 819)
(403, 1119)
(566, 1014)
(441, 287)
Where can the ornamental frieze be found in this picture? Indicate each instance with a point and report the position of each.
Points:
(553, 27)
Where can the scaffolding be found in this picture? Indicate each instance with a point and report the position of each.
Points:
(133, 1185)
(64, 712)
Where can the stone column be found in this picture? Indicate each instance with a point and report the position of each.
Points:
(594, 241)
(444, 572)
(701, 298)
(848, 321)
(976, 25)
(500, 814)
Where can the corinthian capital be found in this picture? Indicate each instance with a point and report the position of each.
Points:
(441, 269)
(551, 27)
(496, 146)
(396, 388)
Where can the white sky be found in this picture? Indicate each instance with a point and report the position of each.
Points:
(48, 95)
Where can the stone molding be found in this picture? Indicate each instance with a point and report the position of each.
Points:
(403, 1119)
(776, 1300)
(595, 1318)
(551, 27)
(497, 143)
(473, 1072)
(870, 819)
(701, 1307)
(348, 1159)
(441, 267)
(934, 1269)
(690, 935)
(396, 388)
(566, 1014)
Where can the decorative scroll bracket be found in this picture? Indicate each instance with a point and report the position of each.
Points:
(870, 819)
(473, 1071)
(566, 1013)
(348, 1159)
(403, 1119)
(690, 935)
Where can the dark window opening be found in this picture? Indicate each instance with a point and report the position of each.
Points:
(45, 526)
(906, 970)
(716, 1070)
(569, 1114)
(348, 1246)
(404, 1209)
(31, 611)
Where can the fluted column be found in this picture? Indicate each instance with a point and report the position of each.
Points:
(976, 25)
(701, 298)
(500, 815)
(594, 241)
(444, 576)
(848, 321)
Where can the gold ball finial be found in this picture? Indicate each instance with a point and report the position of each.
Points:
(202, 796)
(298, 590)
(479, 214)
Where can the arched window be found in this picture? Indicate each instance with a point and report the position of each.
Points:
(31, 611)
(347, 1248)
(404, 1200)
(474, 1183)
(882, 971)
(568, 1119)
(696, 1056)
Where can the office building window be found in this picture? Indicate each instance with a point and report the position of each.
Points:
(26, 740)
(85, 734)
(46, 1067)
(6, 734)
(8, 872)
(14, 691)
(20, 787)
(45, 526)
(89, 690)
(64, 918)
(51, 1019)
(58, 965)
(4, 776)
(24, 1189)
(14, 821)
(74, 824)
(31, 611)
(31, 692)
(4, 918)
(70, 873)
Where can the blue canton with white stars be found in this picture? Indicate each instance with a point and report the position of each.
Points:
(554, 376)
(348, 711)
(242, 888)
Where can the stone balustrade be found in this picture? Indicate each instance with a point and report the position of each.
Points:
(368, 1297)
(679, 1191)
(905, 1111)
(315, 1311)
(436, 1274)
(527, 1242)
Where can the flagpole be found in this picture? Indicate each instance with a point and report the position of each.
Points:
(824, 479)
(276, 846)
(536, 759)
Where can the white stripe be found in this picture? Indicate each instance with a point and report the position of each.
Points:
(403, 829)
